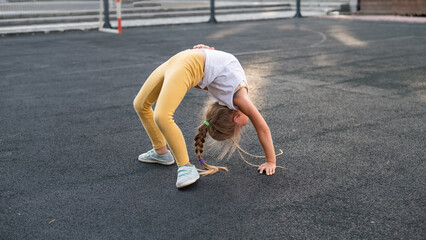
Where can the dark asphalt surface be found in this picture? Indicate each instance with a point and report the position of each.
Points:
(345, 100)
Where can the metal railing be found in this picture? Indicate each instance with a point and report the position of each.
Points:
(213, 17)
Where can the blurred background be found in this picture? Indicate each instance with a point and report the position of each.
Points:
(20, 16)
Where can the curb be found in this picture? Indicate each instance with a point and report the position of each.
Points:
(379, 18)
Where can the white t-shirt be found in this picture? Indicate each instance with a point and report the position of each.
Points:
(223, 76)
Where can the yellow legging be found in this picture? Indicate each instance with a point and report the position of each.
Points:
(167, 85)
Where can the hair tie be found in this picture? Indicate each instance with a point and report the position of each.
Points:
(201, 160)
(206, 123)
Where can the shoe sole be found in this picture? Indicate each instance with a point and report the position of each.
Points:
(188, 182)
(153, 161)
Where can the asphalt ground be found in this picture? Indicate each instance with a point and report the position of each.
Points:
(345, 101)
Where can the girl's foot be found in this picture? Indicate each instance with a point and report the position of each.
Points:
(153, 157)
(187, 175)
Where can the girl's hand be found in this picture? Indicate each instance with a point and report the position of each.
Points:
(268, 167)
(202, 46)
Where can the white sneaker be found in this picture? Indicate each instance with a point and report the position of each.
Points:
(187, 175)
(153, 157)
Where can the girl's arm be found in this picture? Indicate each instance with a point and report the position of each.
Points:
(244, 104)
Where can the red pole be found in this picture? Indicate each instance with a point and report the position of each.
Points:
(120, 30)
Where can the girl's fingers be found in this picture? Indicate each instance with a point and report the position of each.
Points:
(268, 171)
(202, 46)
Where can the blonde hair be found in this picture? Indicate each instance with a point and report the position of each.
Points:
(221, 127)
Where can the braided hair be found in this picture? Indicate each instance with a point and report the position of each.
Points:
(220, 127)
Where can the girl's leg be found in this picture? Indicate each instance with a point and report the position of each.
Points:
(170, 97)
(178, 80)
(143, 105)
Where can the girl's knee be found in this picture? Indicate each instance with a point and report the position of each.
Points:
(140, 106)
(136, 104)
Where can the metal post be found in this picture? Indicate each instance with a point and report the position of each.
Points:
(106, 15)
(212, 18)
(298, 15)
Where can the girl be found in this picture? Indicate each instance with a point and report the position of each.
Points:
(222, 76)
